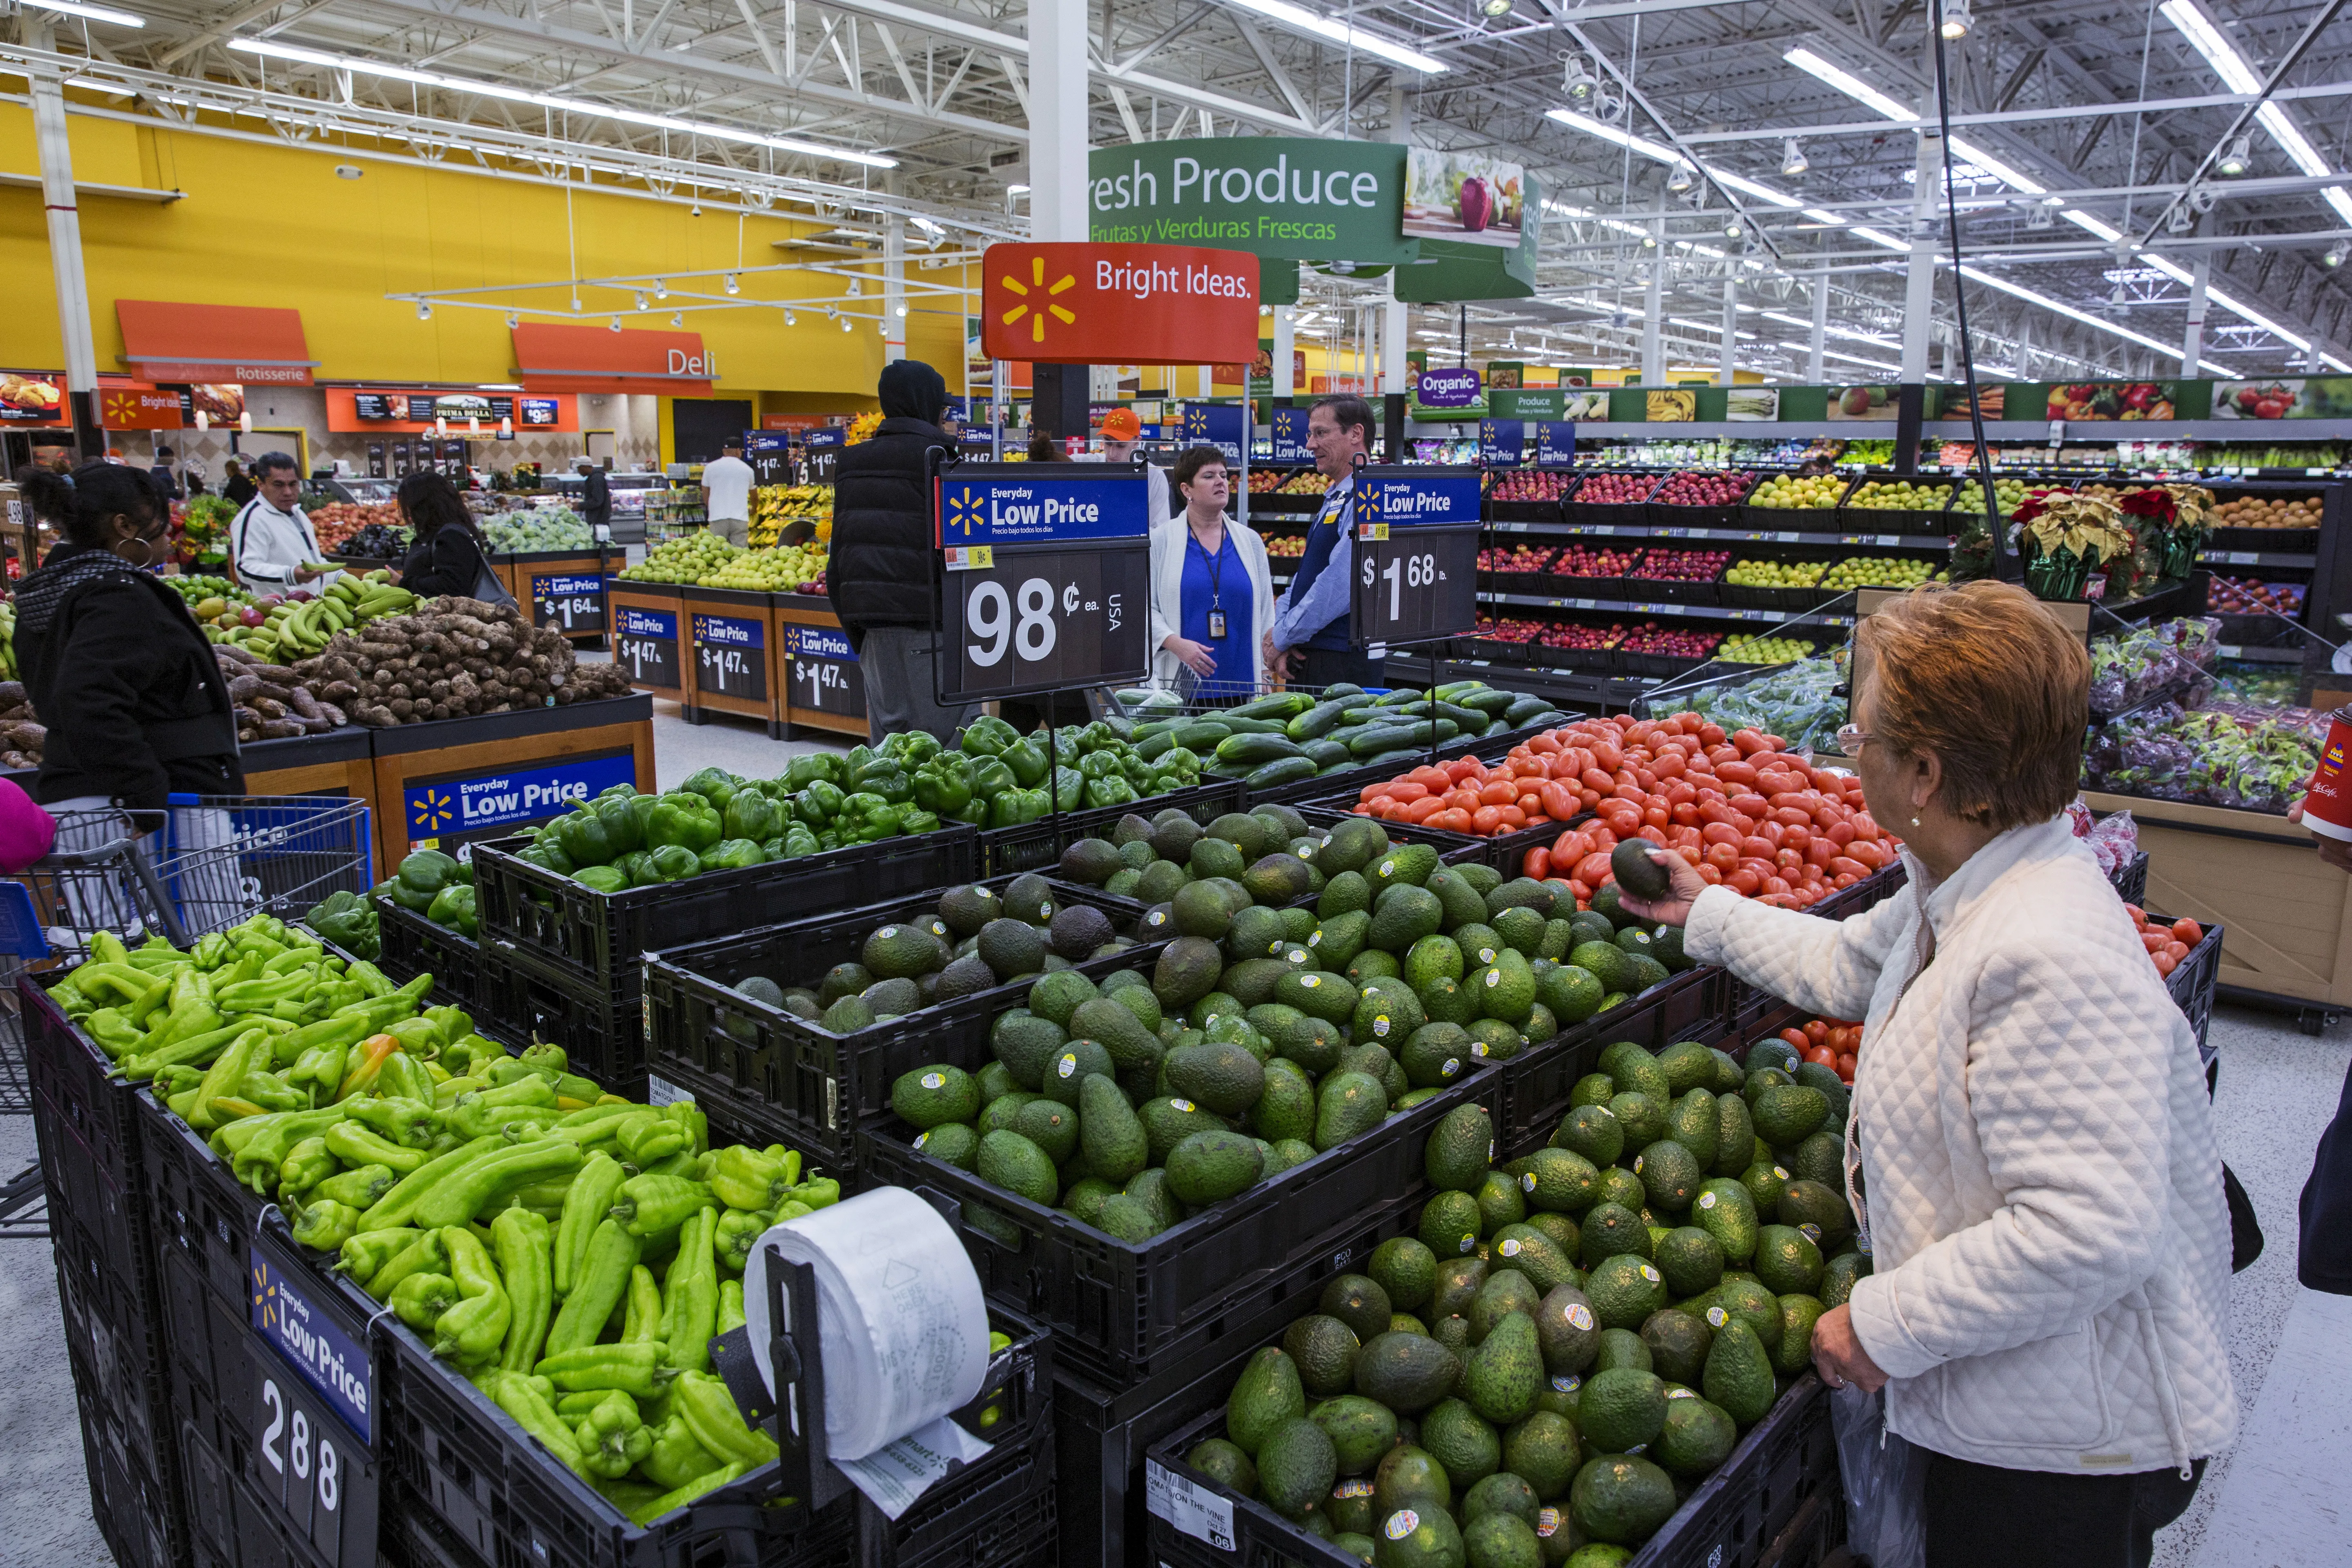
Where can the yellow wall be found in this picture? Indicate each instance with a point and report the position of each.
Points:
(266, 224)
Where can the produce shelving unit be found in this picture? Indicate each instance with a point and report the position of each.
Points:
(649, 633)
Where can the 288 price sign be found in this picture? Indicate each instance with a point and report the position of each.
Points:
(1046, 580)
(1416, 555)
(314, 1412)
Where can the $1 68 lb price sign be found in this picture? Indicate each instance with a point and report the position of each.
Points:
(1047, 583)
(1415, 555)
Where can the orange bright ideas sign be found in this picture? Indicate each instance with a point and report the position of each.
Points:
(1117, 304)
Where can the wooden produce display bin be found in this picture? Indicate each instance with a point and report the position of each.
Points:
(449, 780)
(341, 761)
(823, 686)
(560, 588)
(730, 647)
(648, 625)
(2286, 916)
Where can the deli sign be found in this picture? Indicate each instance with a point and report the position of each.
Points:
(556, 357)
(1117, 304)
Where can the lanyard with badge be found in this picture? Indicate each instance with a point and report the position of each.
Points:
(1216, 564)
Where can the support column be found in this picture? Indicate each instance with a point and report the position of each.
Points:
(1818, 340)
(1058, 31)
(1653, 363)
(1395, 333)
(56, 154)
(2193, 340)
(1919, 286)
(1731, 329)
(894, 290)
(1283, 388)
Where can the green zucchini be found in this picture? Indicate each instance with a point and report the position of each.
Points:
(1327, 753)
(1281, 770)
(1257, 749)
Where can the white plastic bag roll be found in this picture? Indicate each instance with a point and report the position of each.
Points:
(900, 1318)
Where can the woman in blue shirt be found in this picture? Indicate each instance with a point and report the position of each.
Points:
(1211, 594)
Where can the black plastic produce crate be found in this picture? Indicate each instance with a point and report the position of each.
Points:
(499, 1497)
(1775, 1500)
(1122, 1312)
(1609, 514)
(1038, 846)
(786, 1079)
(133, 1499)
(90, 1175)
(112, 1333)
(2131, 883)
(1725, 514)
(412, 945)
(521, 999)
(1790, 601)
(1799, 520)
(601, 938)
(1453, 849)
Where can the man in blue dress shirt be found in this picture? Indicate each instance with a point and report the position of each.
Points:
(1308, 644)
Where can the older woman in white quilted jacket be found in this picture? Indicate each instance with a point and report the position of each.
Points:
(2030, 1154)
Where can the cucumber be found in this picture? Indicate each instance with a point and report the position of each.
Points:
(1453, 690)
(1486, 700)
(1145, 730)
(1123, 728)
(1338, 689)
(1402, 695)
(1281, 770)
(1200, 736)
(1278, 705)
(1327, 753)
(1241, 726)
(1468, 720)
(1524, 708)
(1363, 714)
(1151, 746)
(1374, 739)
(1320, 720)
(1402, 757)
(1255, 749)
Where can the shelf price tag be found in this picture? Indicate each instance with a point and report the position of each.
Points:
(825, 675)
(314, 1393)
(1189, 1506)
(645, 642)
(1062, 599)
(1887, 539)
(731, 657)
(575, 606)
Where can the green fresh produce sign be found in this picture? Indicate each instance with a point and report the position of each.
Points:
(1304, 200)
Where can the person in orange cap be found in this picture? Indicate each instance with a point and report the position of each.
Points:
(1121, 432)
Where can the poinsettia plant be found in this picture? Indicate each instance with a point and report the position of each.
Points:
(2063, 536)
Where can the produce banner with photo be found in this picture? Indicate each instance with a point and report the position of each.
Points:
(2295, 397)
(1862, 403)
(1589, 404)
(1113, 304)
(1302, 199)
(1545, 403)
(1466, 198)
(33, 400)
(2101, 400)
(1502, 442)
(1751, 404)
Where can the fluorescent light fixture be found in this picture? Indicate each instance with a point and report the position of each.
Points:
(1867, 363)
(2240, 75)
(1846, 82)
(1713, 329)
(275, 50)
(2092, 225)
(1306, 21)
(1016, 190)
(90, 13)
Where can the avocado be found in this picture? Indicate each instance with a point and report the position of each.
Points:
(1406, 1269)
(1337, 941)
(1625, 1290)
(928, 1096)
(1267, 1394)
(1623, 1188)
(1408, 1477)
(1405, 1372)
(1127, 1220)
(1347, 893)
(1691, 1259)
(1161, 881)
(1533, 1254)
(1215, 857)
(1068, 1069)
(1277, 879)
(1324, 1351)
(842, 980)
(1402, 864)
(1592, 1132)
(1821, 1159)
(1313, 1043)
(1542, 1449)
(1787, 1116)
(1461, 1441)
(1636, 872)
(1420, 1538)
(1567, 1332)
(1434, 1055)
(1352, 844)
(1788, 1263)
(1003, 1114)
(1086, 1198)
(1117, 1029)
(1500, 1203)
(1766, 1180)
(1433, 958)
(1727, 1212)
(1319, 993)
(1743, 1299)
(1734, 1137)
(1643, 1119)
(1108, 1130)
(1150, 1190)
(1285, 1112)
(1621, 1347)
(1348, 1104)
(1838, 1276)
(1091, 862)
(1522, 930)
(1571, 994)
(1009, 1160)
(952, 1143)
(1678, 1344)
(1739, 1373)
(1449, 1225)
(1402, 914)
(1505, 1292)
(1124, 884)
(1561, 1181)
(1218, 1459)
(1011, 947)
(1620, 1408)
(1696, 1123)
(1448, 1002)
(1168, 1121)
(1024, 1043)
(1131, 829)
(891, 998)
(1029, 898)
(1361, 1431)
(1210, 1167)
(965, 976)
(1799, 1313)
(1296, 1465)
(1505, 1371)
(1610, 1229)
(1459, 901)
(1460, 1277)
(1252, 933)
(1173, 834)
(1621, 1499)
(1504, 1493)
(1186, 971)
(1371, 964)
(1221, 1077)
(1078, 930)
(1670, 1175)
(1454, 1333)
(1052, 1126)
(1506, 988)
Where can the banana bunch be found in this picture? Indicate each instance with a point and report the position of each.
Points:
(292, 629)
(8, 640)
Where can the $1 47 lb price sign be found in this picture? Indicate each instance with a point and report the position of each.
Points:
(730, 657)
(1416, 555)
(826, 674)
(1046, 582)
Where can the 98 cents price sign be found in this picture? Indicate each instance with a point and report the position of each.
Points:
(1415, 555)
(1046, 580)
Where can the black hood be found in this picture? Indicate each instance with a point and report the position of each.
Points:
(912, 390)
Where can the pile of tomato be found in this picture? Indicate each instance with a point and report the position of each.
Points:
(2167, 946)
(1748, 813)
(1829, 1041)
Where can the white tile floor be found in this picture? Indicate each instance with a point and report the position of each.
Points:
(2277, 1500)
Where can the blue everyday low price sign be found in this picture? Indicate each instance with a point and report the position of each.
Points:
(1502, 442)
(1217, 424)
(819, 642)
(470, 806)
(1386, 498)
(1290, 435)
(1555, 443)
(992, 510)
(301, 1330)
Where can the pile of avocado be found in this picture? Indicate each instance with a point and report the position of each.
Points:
(1571, 1343)
(1257, 858)
(1264, 1037)
(978, 940)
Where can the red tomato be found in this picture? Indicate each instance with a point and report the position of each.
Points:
(1593, 869)
(1798, 1038)
(2164, 962)
(1711, 874)
(1453, 819)
(1824, 1056)
(1845, 1066)
(1845, 866)
(2188, 930)
(2176, 951)
(1536, 864)
(2156, 939)
(1723, 857)
(1744, 881)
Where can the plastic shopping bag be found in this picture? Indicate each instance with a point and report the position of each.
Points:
(1882, 1477)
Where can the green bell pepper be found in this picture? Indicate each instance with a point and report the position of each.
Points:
(867, 817)
(911, 747)
(913, 819)
(990, 777)
(685, 821)
(423, 875)
(1114, 791)
(1069, 786)
(731, 855)
(454, 907)
(1027, 761)
(623, 829)
(944, 784)
(638, 867)
(1099, 764)
(986, 736)
(349, 921)
(821, 766)
(1016, 807)
(797, 841)
(674, 863)
(752, 815)
(882, 776)
(603, 879)
(716, 785)
(548, 852)
(818, 804)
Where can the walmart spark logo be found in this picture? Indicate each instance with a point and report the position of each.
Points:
(434, 809)
(119, 409)
(1368, 504)
(265, 1297)
(1196, 423)
(967, 509)
(1037, 316)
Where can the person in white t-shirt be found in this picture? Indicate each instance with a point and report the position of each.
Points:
(726, 495)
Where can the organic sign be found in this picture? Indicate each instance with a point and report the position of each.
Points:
(1456, 388)
(1306, 200)
(1115, 304)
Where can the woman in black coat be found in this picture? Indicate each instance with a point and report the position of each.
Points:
(448, 556)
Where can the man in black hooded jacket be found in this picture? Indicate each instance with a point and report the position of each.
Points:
(878, 574)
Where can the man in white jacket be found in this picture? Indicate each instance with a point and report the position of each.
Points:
(2030, 1151)
(270, 541)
